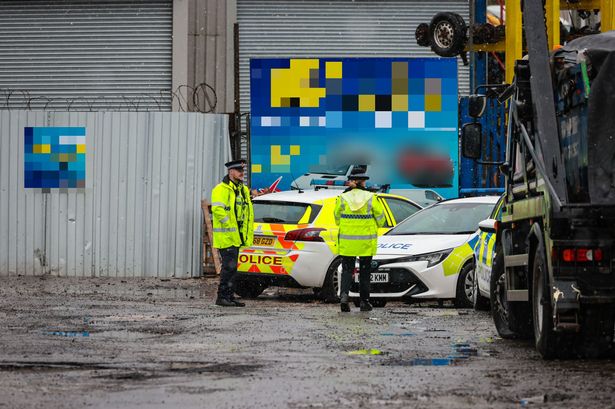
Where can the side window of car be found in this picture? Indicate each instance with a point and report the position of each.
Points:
(400, 208)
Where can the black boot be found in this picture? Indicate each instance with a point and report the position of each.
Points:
(365, 305)
(238, 303)
(344, 303)
(223, 302)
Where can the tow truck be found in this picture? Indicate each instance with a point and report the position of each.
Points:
(553, 272)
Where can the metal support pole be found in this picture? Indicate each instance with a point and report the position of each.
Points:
(552, 10)
(607, 15)
(514, 37)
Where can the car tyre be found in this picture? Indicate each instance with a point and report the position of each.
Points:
(421, 34)
(463, 295)
(330, 287)
(497, 290)
(249, 287)
(447, 34)
(479, 302)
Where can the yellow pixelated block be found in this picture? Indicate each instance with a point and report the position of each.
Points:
(64, 157)
(333, 69)
(367, 103)
(81, 148)
(399, 102)
(44, 148)
(291, 82)
(295, 149)
(433, 103)
(276, 156)
(257, 168)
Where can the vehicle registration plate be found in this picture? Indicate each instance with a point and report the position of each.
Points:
(263, 241)
(375, 277)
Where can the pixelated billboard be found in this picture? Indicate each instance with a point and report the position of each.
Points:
(54, 157)
(316, 120)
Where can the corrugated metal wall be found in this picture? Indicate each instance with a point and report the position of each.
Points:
(139, 215)
(83, 55)
(341, 28)
(210, 53)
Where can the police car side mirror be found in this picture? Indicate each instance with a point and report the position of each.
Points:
(488, 226)
(471, 140)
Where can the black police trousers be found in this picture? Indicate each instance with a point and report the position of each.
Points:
(348, 264)
(228, 272)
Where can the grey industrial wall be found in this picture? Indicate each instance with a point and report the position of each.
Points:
(139, 215)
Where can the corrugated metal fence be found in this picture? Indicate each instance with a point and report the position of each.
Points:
(139, 215)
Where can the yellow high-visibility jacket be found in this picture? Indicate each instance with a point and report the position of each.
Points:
(359, 214)
(233, 215)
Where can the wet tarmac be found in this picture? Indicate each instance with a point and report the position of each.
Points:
(112, 343)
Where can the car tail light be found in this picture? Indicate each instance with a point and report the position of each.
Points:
(582, 255)
(308, 234)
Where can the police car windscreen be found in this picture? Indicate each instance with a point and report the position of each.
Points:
(284, 212)
(445, 218)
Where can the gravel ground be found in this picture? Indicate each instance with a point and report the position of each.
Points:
(112, 343)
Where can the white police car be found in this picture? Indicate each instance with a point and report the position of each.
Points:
(430, 254)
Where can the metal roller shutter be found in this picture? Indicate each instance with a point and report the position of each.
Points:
(342, 28)
(81, 55)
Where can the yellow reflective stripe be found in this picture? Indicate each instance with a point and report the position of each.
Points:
(218, 204)
(490, 247)
(481, 243)
(355, 216)
(358, 237)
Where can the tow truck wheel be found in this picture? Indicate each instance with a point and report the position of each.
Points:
(480, 303)
(249, 288)
(447, 34)
(499, 303)
(465, 285)
(330, 287)
(544, 334)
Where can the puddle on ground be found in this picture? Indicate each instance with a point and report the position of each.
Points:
(69, 333)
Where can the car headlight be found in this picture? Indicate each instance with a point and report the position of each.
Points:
(431, 258)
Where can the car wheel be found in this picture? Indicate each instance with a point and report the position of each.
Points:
(463, 297)
(378, 302)
(249, 287)
(480, 303)
(544, 334)
(421, 34)
(501, 309)
(330, 287)
(447, 34)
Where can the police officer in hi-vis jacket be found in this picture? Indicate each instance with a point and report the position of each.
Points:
(359, 214)
(233, 227)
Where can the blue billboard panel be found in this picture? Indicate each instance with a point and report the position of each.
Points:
(394, 118)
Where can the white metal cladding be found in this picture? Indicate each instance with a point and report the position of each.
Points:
(341, 28)
(139, 215)
(85, 55)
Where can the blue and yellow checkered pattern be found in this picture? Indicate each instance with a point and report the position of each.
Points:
(54, 157)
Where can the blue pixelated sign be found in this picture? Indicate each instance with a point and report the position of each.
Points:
(395, 118)
(54, 157)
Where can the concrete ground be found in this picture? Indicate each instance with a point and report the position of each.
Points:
(112, 343)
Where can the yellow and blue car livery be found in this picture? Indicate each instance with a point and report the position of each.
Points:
(484, 253)
(295, 237)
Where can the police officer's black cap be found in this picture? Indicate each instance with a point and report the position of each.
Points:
(235, 164)
(358, 176)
